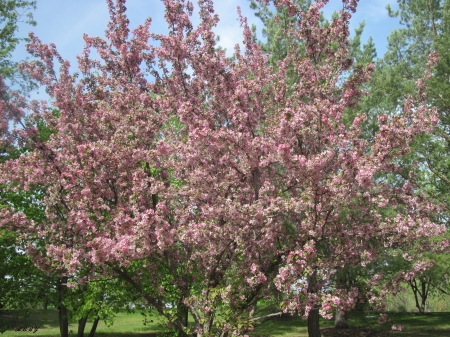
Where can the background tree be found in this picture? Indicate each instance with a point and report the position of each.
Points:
(425, 29)
(22, 284)
(97, 300)
(13, 12)
(425, 25)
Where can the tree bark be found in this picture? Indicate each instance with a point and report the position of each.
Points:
(94, 327)
(313, 323)
(81, 326)
(183, 316)
(313, 316)
(342, 282)
(45, 305)
(62, 310)
(340, 319)
(63, 321)
(421, 291)
(207, 324)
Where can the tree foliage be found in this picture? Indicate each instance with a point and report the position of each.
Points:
(22, 285)
(202, 180)
(13, 12)
(424, 29)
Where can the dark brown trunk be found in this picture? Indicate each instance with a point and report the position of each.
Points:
(340, 319)
(94, 327)
(422, 291)
(81, 326)
(183, 314)
(45, 305)
(63, 321)
(313, 316)
(62, 310)
(182, 319)
(313, 323)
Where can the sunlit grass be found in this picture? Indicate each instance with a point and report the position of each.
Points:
(126, 324)
(435, 324)
(47, 322)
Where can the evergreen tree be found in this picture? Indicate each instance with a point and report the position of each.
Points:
(425, 29)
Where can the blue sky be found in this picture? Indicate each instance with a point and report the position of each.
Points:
(63, 22)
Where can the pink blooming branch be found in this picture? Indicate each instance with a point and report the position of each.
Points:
(222, 179)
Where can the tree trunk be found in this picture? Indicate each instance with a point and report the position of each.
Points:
(180, 329)
(313, 323)
(81, 326)
(313, 316)
(62, 310)
(209, 318)
(94, 327)
(183, 314)
(340, 319)
(421, 291)
(45, 305)
(63, 321)
(182, 318)
(342, 282)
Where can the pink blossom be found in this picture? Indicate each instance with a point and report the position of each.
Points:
(173, 163)
(397, 327)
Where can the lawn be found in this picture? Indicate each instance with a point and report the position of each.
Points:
(126, 324)
(434, 325)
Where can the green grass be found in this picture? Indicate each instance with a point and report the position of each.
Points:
(47, 321)
(286, 327)
(434, 325)
(126, 324)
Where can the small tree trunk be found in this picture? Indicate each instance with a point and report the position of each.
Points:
(62, 310)
(63, 321)
(45, 305)
(81, 326)
(182, 318)
(313, 323)
(183, 314)
(252, 310)
(207, 325)
(94, 327)
(340, 319)
(416, 298)
(425, 291)
(421, 291)
(180, 329)
(313, 316)
(342, 283)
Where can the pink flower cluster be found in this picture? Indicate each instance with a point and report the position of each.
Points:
(202, 180)
(397, 327)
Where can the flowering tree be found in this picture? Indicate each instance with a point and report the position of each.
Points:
(200, 179)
